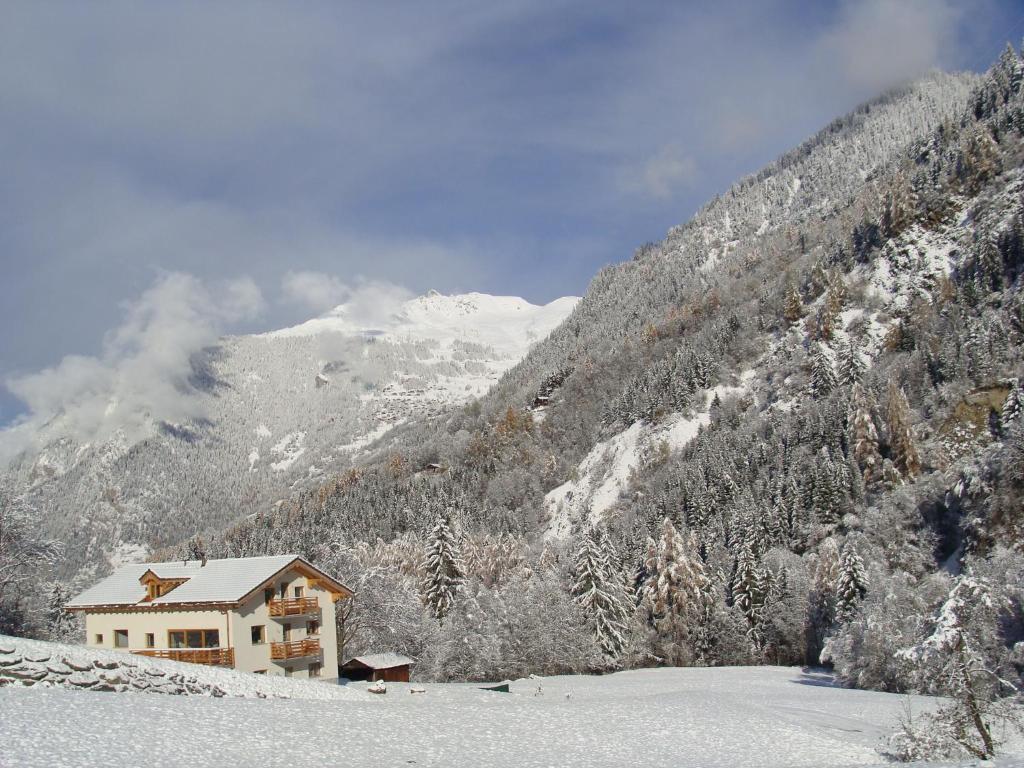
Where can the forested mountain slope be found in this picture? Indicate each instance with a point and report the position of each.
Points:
(788, 432)
(283, 410)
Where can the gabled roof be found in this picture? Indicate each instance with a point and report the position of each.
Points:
(381, 660)
(218, 582)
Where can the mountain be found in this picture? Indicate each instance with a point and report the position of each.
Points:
(787, 433)
(282, 409)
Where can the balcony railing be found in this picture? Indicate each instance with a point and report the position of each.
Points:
(218, 657)
(299, 606)
(296, 649)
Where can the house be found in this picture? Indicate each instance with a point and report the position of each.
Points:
(389, 667)
(270, 615)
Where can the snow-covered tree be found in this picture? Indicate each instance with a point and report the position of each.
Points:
(850, 363)
(793, 309)
(956, 659)
(444, 573)
(1013, 405)
(748, 590)
(901, 437)
(678, 598)
(851, 585)
(823, 375)
(864, 436)
(599, 589)
(61, 625)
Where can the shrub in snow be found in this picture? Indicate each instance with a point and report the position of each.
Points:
(964, 658)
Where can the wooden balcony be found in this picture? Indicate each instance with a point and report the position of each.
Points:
(296, 649)
(217, 657)
(298, 606)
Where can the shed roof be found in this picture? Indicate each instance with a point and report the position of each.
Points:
(382, 660)
(219, 581)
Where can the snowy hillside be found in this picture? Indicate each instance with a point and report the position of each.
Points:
(728, 717)
(283, 409)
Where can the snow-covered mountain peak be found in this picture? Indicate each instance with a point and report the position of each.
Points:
(277, 410)
(508, 324)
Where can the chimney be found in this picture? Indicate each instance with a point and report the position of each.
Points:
(203, 563)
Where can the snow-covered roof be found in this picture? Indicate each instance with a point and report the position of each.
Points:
(219, 581)
(382, 660)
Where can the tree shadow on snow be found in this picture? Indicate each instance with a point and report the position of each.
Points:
(817, 676)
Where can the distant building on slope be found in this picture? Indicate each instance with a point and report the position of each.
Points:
(389, 667)
(270, 615)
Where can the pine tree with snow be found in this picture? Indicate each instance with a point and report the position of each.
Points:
(599, 590)
(443, 566)
(850, 363)
(864, 437)
(851, 584)
(1012, 406)
(823, 375)
(901, 438)
(748, 589)
(61, 626)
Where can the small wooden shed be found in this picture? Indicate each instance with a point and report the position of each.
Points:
(389, 667)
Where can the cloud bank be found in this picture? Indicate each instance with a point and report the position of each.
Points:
(143, 375)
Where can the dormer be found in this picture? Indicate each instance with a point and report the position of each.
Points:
(156, 586)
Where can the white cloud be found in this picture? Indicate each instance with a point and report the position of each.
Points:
(142, 376)
(367, 302)
(881, 43)
(315, 291)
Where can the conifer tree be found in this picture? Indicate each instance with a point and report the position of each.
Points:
(444, 571)
(864, 437)
(1012, 406)
(679, 598)
(851, 363)
(851, 584)
(901, 438)
(599, 590)
(748, 590)
(60, 624)
(794, 307)
(823, 376)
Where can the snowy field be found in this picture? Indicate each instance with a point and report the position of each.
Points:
(767, 716)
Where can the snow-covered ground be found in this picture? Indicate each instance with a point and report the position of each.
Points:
(764, 716)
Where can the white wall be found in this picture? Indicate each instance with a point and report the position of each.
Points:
(235, 629)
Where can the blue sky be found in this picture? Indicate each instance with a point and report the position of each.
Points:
(291, 156)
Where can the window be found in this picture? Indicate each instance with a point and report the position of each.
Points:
(259, 671)
(313, 627)
(283, 591)
(286, 632)
(193, 638)
(259, 634)
(268, 595)
(120, 638)
(288, 671)
(315, 669)
(150, 640)
(99, 639)
(297, 591)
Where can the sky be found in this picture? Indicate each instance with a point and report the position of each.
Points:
(171, 171)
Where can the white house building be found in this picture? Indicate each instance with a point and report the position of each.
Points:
(270, 615)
